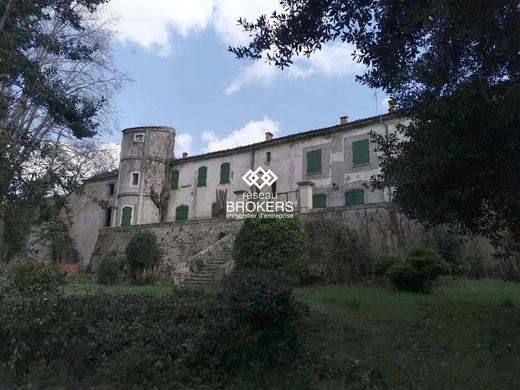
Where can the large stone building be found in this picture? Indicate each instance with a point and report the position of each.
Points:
(321, 168)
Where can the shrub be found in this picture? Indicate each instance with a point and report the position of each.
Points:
(256, 322)
(142, 252)
(417, 272)
(31, 279)
(337, 253)
(271, 244)
(110, 271)
(383, 264)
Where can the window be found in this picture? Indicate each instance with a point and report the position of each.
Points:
(214, 210)
(268, 157)
(110, 188)
(135, 179)
(174, 180)
(181, 213)
(224, 173)
(314, 161)
(273, 188)
(201, 178)
(126, 216)
(354, 197)
(108, 217)
(319, 201)
(139, 137)
(360, 152)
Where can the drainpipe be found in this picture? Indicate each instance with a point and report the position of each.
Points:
(387, 189)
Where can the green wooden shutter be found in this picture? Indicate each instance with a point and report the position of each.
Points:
(360, 152)
(224, 173)
(126, 217)
(201, 179)
(314, 161)
(174, 180)
(181, 213)
(214, 210)
(354, 197)
(319, 201)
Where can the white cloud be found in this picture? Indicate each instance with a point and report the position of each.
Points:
(333, 61)
(149, 23)
(253, 131)
(183, 142)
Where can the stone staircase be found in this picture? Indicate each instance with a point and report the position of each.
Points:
(209, 272)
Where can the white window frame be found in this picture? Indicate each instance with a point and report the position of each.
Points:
(137, 135)
(132, 179)
(121, 216)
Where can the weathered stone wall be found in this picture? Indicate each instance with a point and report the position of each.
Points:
(184, 244)
(179, 242)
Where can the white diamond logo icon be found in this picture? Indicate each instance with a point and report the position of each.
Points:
(259, 178)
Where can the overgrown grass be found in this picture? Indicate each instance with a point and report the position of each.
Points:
(464, 335)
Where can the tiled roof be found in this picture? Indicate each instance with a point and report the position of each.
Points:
(288, 138)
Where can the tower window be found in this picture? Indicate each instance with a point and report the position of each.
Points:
(268, 157)
(139, 137)
(126, 216)
(135, 179)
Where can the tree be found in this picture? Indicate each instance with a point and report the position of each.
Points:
(454, 69)
(56, 79)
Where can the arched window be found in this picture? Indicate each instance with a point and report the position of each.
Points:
(224, 173)
(201, 178)
(126, 216)
(353, 197)
(181, 213)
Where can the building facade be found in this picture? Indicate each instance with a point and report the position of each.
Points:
(327, 167)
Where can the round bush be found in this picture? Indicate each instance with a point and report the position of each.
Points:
(404, 276)
(110, 271)
(32, 279)
(255, 321)
(271, 244)
(143, 251)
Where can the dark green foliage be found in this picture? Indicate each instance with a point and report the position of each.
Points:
(272, 244)
(184, 340)
(142, 252)
(31, 279)
(383, 264)
(337, 253)
(416, 273)
(255, 322)
(111, 271)
(454, 70)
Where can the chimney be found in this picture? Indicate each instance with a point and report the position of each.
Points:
(343, 120)
(268, 136)
(184, 154)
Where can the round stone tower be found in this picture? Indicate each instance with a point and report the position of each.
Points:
(143, 173)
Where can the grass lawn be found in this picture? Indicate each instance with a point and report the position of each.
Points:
(464, 335)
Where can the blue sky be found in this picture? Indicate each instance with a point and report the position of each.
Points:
(184, 77)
